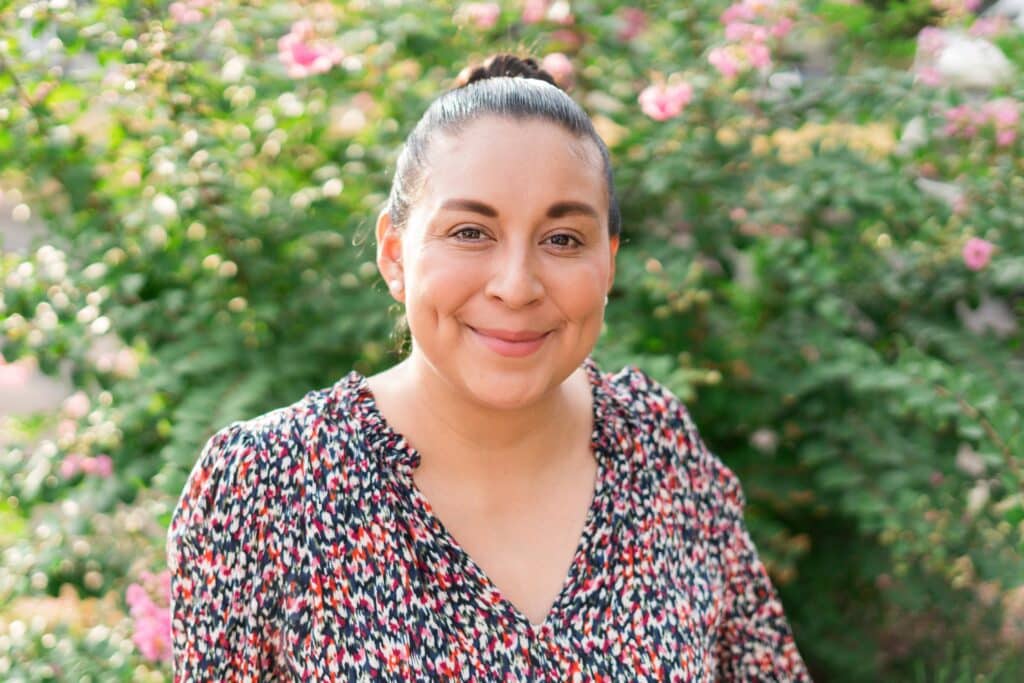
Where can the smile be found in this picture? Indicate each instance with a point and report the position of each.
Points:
(510, 343)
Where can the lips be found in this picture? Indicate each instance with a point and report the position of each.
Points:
(511, 343)
(510, 335)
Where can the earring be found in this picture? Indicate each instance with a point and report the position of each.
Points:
(605, 299)
(395, 285)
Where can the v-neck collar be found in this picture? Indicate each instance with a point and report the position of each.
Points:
(611, 446)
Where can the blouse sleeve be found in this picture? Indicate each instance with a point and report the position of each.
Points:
(221, 548)
(755, 642)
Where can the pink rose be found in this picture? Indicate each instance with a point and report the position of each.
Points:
(662, 102)
(303, 54)
(559, 66)
(634, 22)
(759, 55)
(152, 625)
(977, 253)
(722, 59)
(76, 406)
(483, 15)
(534, 10)
(70, 465)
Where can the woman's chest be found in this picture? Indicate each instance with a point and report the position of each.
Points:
(390, 600)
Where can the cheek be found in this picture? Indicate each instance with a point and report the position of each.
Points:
(443, 283)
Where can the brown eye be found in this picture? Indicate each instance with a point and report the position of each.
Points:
(468, 234)
(565, 241)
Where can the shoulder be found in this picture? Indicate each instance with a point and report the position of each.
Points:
(248, 472)
(666, 433)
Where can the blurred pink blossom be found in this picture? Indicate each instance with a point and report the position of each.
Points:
(70, 465)
(559, 66)
(741, 30)
(483, 15)
(740, 11)
(303, 54)
(723, 60)
(931, 40)
(634, 22)
(188, 11)
(16, 374)
(759, 56)
(977, 253)
(989, 27)
(76, 406)
(100, 465)
(534, 10)
(782, 27)
(152, 621)
(662, 102)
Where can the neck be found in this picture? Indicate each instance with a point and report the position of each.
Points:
(481, 443)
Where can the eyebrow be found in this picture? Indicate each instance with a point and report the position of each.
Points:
(556, 210)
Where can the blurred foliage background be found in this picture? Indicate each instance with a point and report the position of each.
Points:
(823, 257)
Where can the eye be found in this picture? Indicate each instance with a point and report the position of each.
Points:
(468, 234)
(564, 240)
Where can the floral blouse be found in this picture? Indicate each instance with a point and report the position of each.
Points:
(302, 550)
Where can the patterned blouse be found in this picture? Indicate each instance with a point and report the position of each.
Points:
(301, 550)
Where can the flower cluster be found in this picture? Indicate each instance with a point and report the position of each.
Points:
(1002, 115)
(304, 54)
(663, 101)
(751, 27)
(977, 253)
(559, 12)
(189, 11)
(99, 465)
(483, 15)
(152, 621)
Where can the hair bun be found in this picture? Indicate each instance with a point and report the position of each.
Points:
(500, 65)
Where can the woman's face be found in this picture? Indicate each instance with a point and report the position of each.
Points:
(505, 260)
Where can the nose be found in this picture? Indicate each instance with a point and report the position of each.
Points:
(514, 278)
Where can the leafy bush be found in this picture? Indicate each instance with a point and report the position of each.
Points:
(824, 258)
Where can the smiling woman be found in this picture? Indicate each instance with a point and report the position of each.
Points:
(494, 506)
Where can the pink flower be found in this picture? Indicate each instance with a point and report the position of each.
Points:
(759, 55)
(185, 12)
(101, 466)
(929, 76)
(76, 406)
(931, 41)
(782, 27)
(559, 66)
(70, 465)
(152, 624)
(989, 27)
(977, 253)
(1004, 112)
(483, 15)
(534, 10)
(14, 375)
(740, 11)
(303, 54)
(741, 30)
(662, 102)
(634, 22)
(723, 60)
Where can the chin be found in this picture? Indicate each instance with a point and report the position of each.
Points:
(505, 388)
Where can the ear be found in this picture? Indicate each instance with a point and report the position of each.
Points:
(613, 243)
(389, 255)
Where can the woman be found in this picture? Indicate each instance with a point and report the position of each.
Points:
(493, 507)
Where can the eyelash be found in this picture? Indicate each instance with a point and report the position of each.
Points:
(577, 241)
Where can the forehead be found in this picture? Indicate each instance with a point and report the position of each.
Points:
(516, 164)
